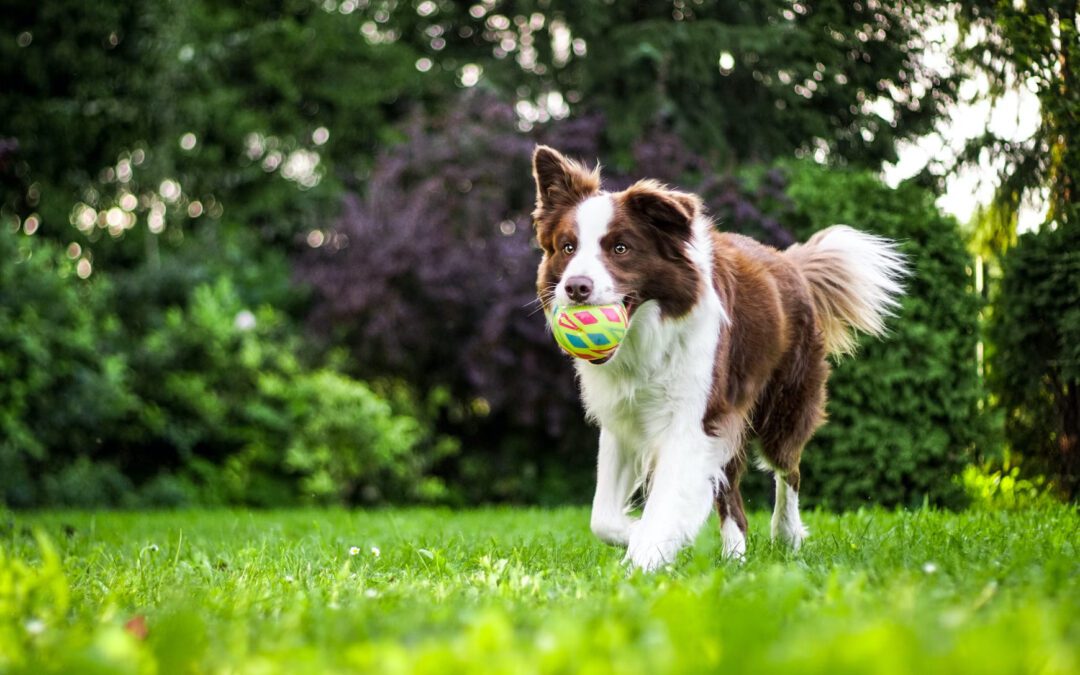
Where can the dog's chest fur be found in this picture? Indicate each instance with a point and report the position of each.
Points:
(660, 377)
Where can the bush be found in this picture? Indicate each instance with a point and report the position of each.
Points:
(228, 402)
(1035, 357)
(87, 484)
(62, 389)
(904, 414)
(213, 405)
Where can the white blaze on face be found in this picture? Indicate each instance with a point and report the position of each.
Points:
(592, 218)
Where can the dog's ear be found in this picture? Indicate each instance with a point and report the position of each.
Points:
(560, 182)
(669, 211)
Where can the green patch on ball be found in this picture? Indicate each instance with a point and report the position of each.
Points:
(590, 332)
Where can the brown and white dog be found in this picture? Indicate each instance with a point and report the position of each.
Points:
(727, 337)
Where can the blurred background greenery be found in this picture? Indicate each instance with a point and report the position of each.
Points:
(272, 253)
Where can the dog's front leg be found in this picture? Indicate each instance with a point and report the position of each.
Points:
(616, 478)
(679, 501)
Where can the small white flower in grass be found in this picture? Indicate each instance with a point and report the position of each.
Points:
(929, 568)
(289, 578)
(371, 593)
(35, 626)
(375, 551)
(354, 550)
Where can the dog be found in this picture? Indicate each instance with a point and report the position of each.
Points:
(727, 337)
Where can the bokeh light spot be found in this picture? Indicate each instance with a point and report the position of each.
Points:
(727, 62)
(169, 190)
(470, 74)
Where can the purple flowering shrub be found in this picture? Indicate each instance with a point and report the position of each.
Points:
(429, 277)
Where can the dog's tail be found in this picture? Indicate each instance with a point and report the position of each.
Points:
(855, 281)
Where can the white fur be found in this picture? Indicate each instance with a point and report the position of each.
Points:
(872, 267)
(593, 217)
(786, 522)
(616, 480)
(734, 540)
(650, 400)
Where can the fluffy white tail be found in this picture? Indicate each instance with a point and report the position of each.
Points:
(855, 280)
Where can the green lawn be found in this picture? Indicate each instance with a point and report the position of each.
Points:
(519, 590)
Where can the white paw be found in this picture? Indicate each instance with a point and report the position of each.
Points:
(613, 530)
(791, 534)
(649, 552)
(734, 541)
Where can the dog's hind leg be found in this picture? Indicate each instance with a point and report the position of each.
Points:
(786, 522)
(729, 506)
(790, 413)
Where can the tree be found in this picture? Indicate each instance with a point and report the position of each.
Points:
(739, 81)
(1034, 327)
(1034, 44)
(142, 124)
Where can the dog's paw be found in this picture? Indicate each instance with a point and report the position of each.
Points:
(613, 531)
(734, 541)
(791, 533)
(648, 552)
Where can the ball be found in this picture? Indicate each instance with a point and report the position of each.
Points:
(590, 332)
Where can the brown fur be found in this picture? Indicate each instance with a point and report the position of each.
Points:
(648, 219)
(561, 184)
(770, 367)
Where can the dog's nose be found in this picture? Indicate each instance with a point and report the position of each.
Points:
(579, 288)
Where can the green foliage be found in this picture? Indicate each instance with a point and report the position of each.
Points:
(529, 591)
(904, 413)
(223, 100)
(87, 484)
(225, 390)
(1035, 362)
(214, 404)
(1034, 44)
(61, 385)
(32, 595)
(990, 487)
(801, 73)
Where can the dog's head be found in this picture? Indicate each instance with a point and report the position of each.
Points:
(599, 247)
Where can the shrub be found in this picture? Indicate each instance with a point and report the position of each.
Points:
(904, 415)
(1035, 358)
(62, 389)
(86, 484)
(227, 399)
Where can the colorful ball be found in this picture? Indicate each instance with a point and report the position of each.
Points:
(590, 332)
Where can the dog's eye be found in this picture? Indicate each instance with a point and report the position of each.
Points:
(620, 248)
(568, 249)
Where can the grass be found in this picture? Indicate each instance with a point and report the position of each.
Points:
(517, 590)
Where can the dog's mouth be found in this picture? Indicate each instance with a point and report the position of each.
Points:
(630, 306)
